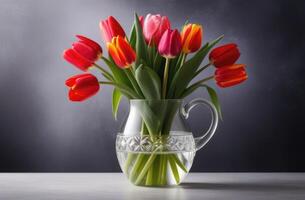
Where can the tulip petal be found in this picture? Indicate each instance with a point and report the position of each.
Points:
(195, 39)
(232, 82)
(115, 27)
(121, 52)
(170, 43)
(74, 96)
(85, 51)
(125, 49)
(74, 58)
(71, 81)
(84, 86)
(185, 37)
(106, 33)
(90, 43)
(153, 28)
(151, 25)
(222, 49)
(224, 55)
(230, 75)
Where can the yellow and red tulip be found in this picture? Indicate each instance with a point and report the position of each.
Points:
(121, 52)
(230, 75)
(224, 55)
(153, 28)
(111, 28)
(83, 53)
(170, 44)
(191, 36)
(82, 87)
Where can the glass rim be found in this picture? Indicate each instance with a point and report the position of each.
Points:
(160, 100)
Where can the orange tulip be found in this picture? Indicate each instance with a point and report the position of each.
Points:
(121, 52)
(191, 38)
(230, 75)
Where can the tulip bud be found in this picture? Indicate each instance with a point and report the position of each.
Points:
(191, 38)
(83, 53)
(82, 87)
(141, 20)
(170, 44)
(111, 28)
(230, 75)
(224, 55)
(153, 28)
(121, 52)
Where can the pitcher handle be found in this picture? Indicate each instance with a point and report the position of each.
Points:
(205, 138)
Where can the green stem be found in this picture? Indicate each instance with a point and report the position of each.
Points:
(204, 80)
(206, 66)
(203, 68)
(138, 166)
(165, 77)
(104, 72)
(130, 157)
(183, 59)
(133, 81)
(124, 89)
(174, 169)
(164, 170)
(178, 162)
(149, 177)
(145, 168)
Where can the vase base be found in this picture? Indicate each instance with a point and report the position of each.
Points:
(160, 169)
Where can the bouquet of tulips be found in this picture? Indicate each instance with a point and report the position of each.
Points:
(154, 62)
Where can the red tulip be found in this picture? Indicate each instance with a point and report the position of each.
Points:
(191, 38)
(170, 44)
(230, 75)
(153, 28)
(224, 55)
(83, 53)
(82, 86)
(121, 52)
(111, 28)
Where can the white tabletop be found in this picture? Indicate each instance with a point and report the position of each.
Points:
(100, 186)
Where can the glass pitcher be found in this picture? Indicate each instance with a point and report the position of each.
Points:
(155, 146)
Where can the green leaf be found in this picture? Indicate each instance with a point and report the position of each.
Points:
(184, 75)
(116, 99)
(212, 94)
(174, 67)
(187, 71)
(128, 92)
(158, 65)
(133, 36)
(149, 82)
(151, 50)
(132, 79)
(214, 99)
(151, 120)
(119, 75)
(141, 47)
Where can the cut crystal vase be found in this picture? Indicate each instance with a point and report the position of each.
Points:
(155, 146)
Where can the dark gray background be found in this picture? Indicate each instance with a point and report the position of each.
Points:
(41, 131)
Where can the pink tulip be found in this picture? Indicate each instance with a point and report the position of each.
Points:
(170, 44)
(153, 28)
